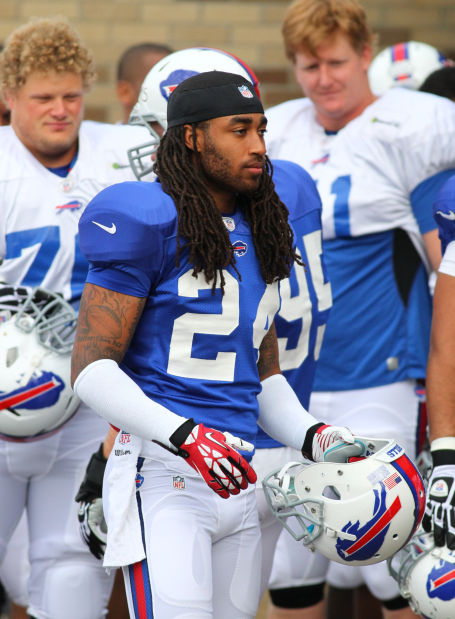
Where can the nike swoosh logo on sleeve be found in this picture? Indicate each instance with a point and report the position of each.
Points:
(112, 229)
(449, 215)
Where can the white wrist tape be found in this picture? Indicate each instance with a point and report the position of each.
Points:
(112, 394)
(280, 413)
(446, 442)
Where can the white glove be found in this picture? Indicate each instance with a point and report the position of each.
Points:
(325, 443)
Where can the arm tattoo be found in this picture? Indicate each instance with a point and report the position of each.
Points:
(268, 355)
(106, 324)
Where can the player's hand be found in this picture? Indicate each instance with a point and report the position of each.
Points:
(440, 507)
(324, 443)
(93, 526)
(211, 453)
(91, 516)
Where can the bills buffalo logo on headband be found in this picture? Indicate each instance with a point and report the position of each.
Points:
(42, 390)
(441, 581)
(240, 248)
(170, 83)
(370, 536)
(245, 92)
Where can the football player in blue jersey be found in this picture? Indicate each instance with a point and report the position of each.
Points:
(440, 510)
(378, 163)
(176, 346)
(300, 322)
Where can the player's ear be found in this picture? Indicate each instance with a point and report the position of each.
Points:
(189, 137)
(9, 97)
(193, 134)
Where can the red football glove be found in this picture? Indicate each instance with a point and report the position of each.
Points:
(209, 452)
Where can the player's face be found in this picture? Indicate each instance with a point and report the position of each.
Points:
(232, 153)
(336, 81)
(46, 113)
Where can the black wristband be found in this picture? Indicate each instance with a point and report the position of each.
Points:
(178, 437)
(92, 484)
(307, 447)
(443, 456)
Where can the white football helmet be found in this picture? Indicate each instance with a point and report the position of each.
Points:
(404, 64)
(161, 80)
(355, 513)
(426, 576)
(36, 339)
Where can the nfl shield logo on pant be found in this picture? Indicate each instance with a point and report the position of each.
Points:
(178, 482)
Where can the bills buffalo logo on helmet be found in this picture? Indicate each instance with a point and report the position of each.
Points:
(170, 83)
(441, 581)
(42, 390)
(370, 536)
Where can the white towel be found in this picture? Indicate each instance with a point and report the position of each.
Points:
(124, 537)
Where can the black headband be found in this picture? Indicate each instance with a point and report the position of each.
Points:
(210, 95)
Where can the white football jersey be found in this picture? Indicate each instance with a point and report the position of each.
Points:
(377, 178)
(40, 211)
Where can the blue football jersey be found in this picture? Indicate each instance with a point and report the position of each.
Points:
(377, 178)
(194, 351)
(444, 212)
(306, 296)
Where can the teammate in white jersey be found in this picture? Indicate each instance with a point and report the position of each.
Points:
(183, 295)
(51, 164)
(378, 163)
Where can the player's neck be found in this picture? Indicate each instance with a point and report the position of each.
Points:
(225, 200)
(49, 159)
(336, 122)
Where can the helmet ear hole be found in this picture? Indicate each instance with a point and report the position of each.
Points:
(11, 356)
(330, 492)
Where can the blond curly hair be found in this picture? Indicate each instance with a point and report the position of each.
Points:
(44, 45)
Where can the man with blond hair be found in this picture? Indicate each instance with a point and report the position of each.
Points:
(51, 164)
(378, 163)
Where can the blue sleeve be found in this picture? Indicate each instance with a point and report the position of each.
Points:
(122, 234)
(444, 212)
(424, 195)
(296, 188)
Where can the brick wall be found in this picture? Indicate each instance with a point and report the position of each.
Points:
(248, 28)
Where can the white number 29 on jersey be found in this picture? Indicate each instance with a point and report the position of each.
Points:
(300, 305)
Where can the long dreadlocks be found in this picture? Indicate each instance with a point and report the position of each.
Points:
(201, 225)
